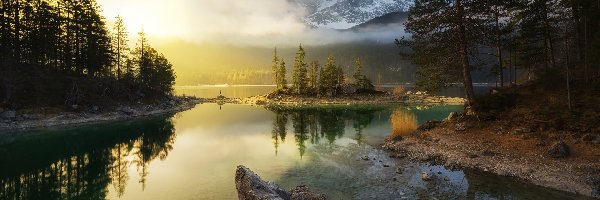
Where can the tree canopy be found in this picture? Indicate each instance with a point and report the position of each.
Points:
(62, 53)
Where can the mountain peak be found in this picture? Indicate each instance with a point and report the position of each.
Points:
(344, 14)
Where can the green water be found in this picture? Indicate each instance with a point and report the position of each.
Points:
(194, 154)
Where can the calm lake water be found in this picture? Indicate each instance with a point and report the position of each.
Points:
(194, 154)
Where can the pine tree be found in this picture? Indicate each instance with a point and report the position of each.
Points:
(275, 68)
(441, 54)
(299, 79)
(361, 82)
(281, 74)
(357, 70)
(120, 47)
(329, 77)
(313, 75)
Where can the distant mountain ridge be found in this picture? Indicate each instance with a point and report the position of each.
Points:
(345, 14)
(390, 19)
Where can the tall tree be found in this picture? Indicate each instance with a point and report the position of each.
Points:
(281, 75)
(361, 81)
(299, 78)
(142, 59)
(328, 79)
(313, 75)
(120, 47)
(275, 67)
(439, 43)
(460, 32)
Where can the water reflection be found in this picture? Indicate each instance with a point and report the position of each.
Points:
(315, 123)
(81, 163)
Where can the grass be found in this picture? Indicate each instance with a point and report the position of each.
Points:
(403, 123)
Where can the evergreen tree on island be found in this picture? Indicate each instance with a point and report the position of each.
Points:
(299, 78)
(361, 82)
(275, 69)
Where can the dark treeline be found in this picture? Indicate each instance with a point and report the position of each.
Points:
(67, 165)
(547, 38)
(60, 52)
(316, 80)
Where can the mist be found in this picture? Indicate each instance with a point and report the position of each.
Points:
(259, 23)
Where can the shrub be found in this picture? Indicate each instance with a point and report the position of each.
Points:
(399, 90)
(403, 123)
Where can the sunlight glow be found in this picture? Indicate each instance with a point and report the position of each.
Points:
(207, 20)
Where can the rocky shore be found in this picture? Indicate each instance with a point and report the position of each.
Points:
(559, 161)
(384, 98)
(13, 120)
(251, 187)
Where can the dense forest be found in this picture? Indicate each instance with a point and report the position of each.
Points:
(61, 53)
(551, 39)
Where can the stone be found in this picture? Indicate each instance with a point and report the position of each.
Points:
(451, 116)
(171, 103)
(126, 110)
(394, 138)
(10, 114)
(446, 179)
(386, 165)
(251, 187)
(460, 126)
(559, 150)
(95, 108)
(425, 176)
(303, 193)
(488, 153)
(429, 125)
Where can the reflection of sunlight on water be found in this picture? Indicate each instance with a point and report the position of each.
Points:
(403, 122)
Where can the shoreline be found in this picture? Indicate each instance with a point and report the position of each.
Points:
(123, 112)
(416, 99)
(518, 157)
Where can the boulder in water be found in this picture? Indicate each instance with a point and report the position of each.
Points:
(251, 187)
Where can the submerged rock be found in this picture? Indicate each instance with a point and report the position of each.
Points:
(559, 150)
(451, 116)
(251, 187)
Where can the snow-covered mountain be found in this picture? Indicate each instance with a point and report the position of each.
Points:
(344, 14)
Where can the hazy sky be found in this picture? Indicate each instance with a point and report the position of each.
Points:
(242, 22)
(208, 20)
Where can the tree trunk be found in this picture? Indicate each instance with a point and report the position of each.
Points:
(499, 53)
(17, 47)
(466, 68)
(548, 39)
(510, 68)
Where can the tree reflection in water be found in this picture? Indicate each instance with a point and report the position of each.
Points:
(315, 123)
(81, 163)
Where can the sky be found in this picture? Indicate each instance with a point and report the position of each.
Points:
(237, 22)
(208, 20)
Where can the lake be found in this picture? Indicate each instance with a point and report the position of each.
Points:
(194, 154)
